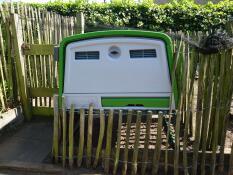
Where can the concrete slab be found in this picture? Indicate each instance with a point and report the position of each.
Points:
(31, 143)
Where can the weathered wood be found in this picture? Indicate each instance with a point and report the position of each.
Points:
(125, 159)
(116, 161)
(136, 143)
(215, 115)
(146, 144)
(206, 113)
(156, 156)
(64, 131)
(89, 135)
(3, 69)
(20, 65)
(80, 23)
(42, 92)
(81, 137)
(173, 77)
(55, 129)
(71, 136)
(108, 142)
(199, 115)
(101, 136)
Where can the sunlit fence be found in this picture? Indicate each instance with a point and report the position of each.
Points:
(191, 139)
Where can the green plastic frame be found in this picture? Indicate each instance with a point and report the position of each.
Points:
(116, 33)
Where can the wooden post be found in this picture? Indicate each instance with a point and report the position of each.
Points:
(55, 129)
(101, 136)
(63, 131)
(136, 143)
(81, 137)
(125, 164)
(80, 23)
(89, 135)
(108, 142)
(156, 156)
(71, 137)
(146, 144)
(20, 65)
(199, 114)
(116, 161)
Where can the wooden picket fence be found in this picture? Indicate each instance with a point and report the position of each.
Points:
(31, 34)
(189, 140)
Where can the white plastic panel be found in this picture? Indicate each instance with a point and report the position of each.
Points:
(116, 75)
(88, 80)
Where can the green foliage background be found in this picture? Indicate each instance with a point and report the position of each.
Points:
(185, 15)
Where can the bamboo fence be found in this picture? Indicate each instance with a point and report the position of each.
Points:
(37, 27)
(189, 140)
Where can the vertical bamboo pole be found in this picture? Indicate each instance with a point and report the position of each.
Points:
(156, 156)
(63, 131)
(108, 142)
(101, 136)
(20, 65)
(215, 115)
(81, 137)
(136, 143)
(170, 107)
(199, 114)
(11, 66)
(206, 116)
(224, 105)
(3, 67)
(89, 136)
(55, 128)
(129, 118)
(71, 136)
(118, 143)
(80, 23)
(146, 144)
(186, 106)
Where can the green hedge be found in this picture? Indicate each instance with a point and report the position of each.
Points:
(185, 16)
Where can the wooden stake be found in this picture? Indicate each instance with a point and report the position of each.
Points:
(55, 129)
(81, 137)
(20, 65)
(63, 131)
(156, 157)
(146, 144)
(118, 143)
(101, 136)
(129, 118)
(89, 135)
(199, 114)
(136, 143)
(71, 137)
(108, 142)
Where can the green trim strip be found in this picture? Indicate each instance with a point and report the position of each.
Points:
(114, 33)
(162, 102)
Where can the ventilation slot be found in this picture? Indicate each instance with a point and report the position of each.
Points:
(89, 55)
(143, 53)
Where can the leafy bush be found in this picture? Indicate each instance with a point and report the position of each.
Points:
(185, 16)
